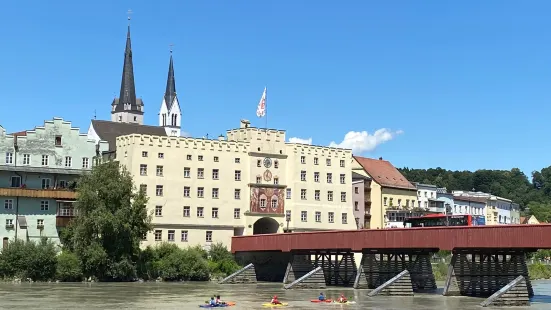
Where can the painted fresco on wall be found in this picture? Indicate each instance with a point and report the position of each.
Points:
(261, 200)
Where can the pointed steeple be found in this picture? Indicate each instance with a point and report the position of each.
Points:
(170, 93)
(127, 97)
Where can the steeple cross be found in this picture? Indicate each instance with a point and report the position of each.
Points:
(129, 13)
(171, 45)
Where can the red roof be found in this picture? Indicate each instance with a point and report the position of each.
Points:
(384, 173)
(19, 133)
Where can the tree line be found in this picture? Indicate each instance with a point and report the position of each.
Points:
(103, 242)
(532, 194)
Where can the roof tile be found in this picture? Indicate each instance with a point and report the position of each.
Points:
(384, 173)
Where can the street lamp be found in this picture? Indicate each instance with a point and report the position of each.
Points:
(288, 218)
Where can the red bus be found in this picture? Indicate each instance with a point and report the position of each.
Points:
(433, 220)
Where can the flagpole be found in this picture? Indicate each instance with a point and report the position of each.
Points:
(266, 108)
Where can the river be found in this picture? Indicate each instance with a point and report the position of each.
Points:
(85, 296)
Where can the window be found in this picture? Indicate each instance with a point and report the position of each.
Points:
(303, 216)
(216, 159)
(329, 178)
(316, 176)
(238, 175)
(171, 234)
(159, 190)
(274, 203)
(39, 223)
(85, 163)
(143, 169)
(329, 195)
(214, 213)
(318, 216)
(44, 205)
(44, 160)
(200, 173)
(187, 172)
(161, 156)
(9, 222)
(183, 236)
(425, 194)
(200, 158)
(9, 158)
(159, 171)
(237, 160)
(276, 164)
(236, 213)
(331, 217)
(26, 159)
(328, 162)
(215, 193)
(143, 188)
(144, 153)
(303, 194)
(8, 204)
(187, 211)
(356, 190)
(385, 201)
(215, 174)
(356, 206)
(158, 210)
(45, 183)
(200, 192)
(187, 191)
(317, 195)
(188, 157)
(208, 236)
(341, 163)
(263, 202)
(303, 175)
(343, 178)
(344, 217)
(399, 202)
(200, 211)
(315, 160)
(259, 163)
(237, 193)
(343, 196)
(258, 180)
(158, 235)
(302, 159)
(288, 193)
(57, 140)
(15, 181)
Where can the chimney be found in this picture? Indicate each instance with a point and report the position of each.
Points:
(221, 138)
(380, 158)
(244, 123)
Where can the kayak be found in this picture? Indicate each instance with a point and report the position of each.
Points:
(272, 305)
(344, 303)
(227, 304)
(320, 301)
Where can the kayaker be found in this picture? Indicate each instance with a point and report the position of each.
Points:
(275, 301)
(342, 299)
(218, 300)
(321, 297)
(212, 301)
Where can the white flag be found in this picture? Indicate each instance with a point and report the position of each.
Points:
(261, 109)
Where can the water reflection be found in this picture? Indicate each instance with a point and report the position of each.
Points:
(190, 295)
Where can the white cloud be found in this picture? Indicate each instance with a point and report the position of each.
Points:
(300, 141)
(362, 141)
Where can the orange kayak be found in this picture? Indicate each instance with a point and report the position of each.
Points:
(320, 301)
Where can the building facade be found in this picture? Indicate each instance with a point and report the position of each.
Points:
(361, 199)
(474, 206)
(393, 197)
(251, 182)
(39, 169)
(499, 210)
(446, 200)
(426, 193)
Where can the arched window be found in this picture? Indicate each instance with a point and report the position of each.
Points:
(174, 120)
(164, 119)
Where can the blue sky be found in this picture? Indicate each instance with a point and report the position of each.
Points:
(466, 83)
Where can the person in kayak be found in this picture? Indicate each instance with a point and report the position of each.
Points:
(219, 301)
(321, 297)
(342, 299)
(275, 301)
(212, 302)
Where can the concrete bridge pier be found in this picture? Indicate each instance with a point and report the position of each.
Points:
(379, 266)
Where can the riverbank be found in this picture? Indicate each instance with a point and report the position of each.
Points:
(536, 271)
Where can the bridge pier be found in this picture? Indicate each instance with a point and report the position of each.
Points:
(381, 265)
(483, 272)
(269, 266)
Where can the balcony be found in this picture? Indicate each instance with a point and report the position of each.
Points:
(65, 213)
(38, 193)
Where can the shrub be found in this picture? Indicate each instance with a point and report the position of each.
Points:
(68, 267)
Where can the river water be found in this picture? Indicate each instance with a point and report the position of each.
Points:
(85, 296)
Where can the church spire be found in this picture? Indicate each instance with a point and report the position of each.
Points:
(170, 93)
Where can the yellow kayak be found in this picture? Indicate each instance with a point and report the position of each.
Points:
(283, 304)
(344, 303)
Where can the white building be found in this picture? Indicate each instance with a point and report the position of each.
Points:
(499, 210)
(425, 194)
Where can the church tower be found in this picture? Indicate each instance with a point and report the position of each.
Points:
(127, 108)
(170, 115)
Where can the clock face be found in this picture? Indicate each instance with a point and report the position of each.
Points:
(267, 162)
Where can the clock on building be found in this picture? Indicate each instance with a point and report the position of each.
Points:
(267, 162)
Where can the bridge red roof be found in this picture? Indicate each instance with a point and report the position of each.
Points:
(444, 238)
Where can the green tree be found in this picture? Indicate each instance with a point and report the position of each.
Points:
(112, 220)
(24, 260)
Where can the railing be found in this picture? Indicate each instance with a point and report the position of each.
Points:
(38, 193)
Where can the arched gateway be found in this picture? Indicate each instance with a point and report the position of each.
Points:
(265, 225)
